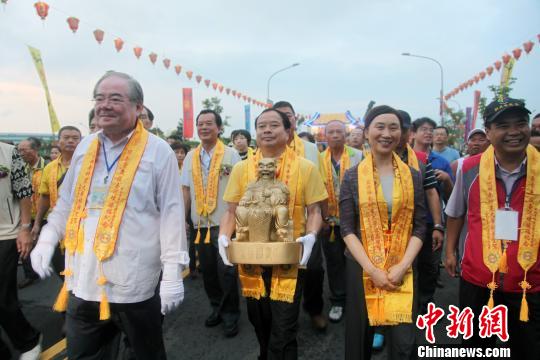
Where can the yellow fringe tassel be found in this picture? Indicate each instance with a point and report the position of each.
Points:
(60, 305)
(207, 237)
(503, 263)
(524, 309)
(104, 308)
(491, 286)
(198, 237)
(332, 235)
(491, 303)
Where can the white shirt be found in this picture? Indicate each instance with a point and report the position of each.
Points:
(152, 231)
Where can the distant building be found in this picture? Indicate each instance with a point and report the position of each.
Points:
(18, 137)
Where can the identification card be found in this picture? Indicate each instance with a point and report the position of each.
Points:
(97, 197)
(506, 225)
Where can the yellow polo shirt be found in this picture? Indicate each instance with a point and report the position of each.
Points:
(311, 190)
(44, 187)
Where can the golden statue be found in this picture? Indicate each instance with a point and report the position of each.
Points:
(264, 232)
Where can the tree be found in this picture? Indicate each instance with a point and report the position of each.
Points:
(178, 133)
(214, 103)
(456, 128)
(158, 132)
(498, 91)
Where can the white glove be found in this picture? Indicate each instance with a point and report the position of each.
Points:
(41, 257)
(223, 243)
(172, 294)
(307, 241)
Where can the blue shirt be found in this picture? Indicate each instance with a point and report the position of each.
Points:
(448, 153)
(438, 163)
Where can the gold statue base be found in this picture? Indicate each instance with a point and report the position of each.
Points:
(264, 253)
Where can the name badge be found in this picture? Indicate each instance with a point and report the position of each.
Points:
(98, 194)
(506, 225)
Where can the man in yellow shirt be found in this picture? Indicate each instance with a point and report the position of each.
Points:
(276, 320)
(51, 179)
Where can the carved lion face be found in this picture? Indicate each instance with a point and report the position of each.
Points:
(267, 168)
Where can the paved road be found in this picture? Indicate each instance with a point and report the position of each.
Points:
(187, 338)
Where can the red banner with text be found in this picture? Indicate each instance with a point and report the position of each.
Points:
(187, 97)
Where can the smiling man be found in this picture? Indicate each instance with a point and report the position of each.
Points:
(498, 192)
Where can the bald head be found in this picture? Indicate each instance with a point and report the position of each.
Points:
(336, 133)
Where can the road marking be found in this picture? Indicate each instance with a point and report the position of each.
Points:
(60, 346)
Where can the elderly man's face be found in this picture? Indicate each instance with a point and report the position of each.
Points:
(147, 123)
(28, 154)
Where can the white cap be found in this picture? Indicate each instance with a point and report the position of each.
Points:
(475, 131)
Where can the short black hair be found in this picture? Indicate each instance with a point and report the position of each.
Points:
(55, 147)
(381, 110)
(35, 143)
(442, 127)
(150, 114)
(536, 116)
(177, 145)
(284, 118)
(421, 121)
(282, 104)
(217, 117)
(67, 128)
(175, 137)
(243, 132)
(91, 116)
(310, 137)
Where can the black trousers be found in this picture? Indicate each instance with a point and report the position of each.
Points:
(428, 269)
(90, 338)
(276, 322)
(334, 252)
(400, 339)
(192, 246)
(524, 337)
(22, 335)
(220, 281)
(313, 282)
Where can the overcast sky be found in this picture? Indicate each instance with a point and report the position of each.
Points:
(349, 51)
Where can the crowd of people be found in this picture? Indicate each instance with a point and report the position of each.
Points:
(120, 213)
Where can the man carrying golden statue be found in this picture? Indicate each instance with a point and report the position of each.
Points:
(273, 198)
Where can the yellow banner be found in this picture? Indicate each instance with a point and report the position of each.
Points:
(506, 74)
(36, 56)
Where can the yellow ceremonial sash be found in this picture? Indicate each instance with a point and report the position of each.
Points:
(345, 163)
(412, 160)
(283, 284)
(53, 182)
(111, 214)
(298, 146)
(250, 152)
(493, 250)
(37, 172)
(386, 245)
(206, 201)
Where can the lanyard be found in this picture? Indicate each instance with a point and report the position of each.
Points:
(109, 168)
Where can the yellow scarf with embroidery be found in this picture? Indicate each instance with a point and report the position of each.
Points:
(298, 146)
(412, 160)
(494, 251)
(345, 163)
(206, 201)
(37, 172)
(53, 181)
(384, 244)
(284, 277)
(111, 214)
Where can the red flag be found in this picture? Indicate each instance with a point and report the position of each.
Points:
(187, 96)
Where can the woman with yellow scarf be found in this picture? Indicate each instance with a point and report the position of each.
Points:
(382, 207)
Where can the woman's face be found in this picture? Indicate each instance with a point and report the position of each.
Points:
(384, 133)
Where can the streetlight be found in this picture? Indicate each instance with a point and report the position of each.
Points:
(441, 99)
(271, 76)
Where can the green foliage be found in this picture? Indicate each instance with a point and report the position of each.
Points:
(213, 103)
(158, 132)
(456, 127)
(497, 91)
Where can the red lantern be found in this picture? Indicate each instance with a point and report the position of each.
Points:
(98, 34)
(489, 70)
(207, 82)
(198, 78)
(138, 51)
(498, 65)
(214, 85)
(42, 9)
(538, 36)
(482, 75)
(244, 97)
(249, 99)
(178, 69)
(153, 57)
(470, 82)
(476, 79)
(189, 74)
(118, 43)
(461, 87)
(517, 53)
(166, 63)
(228, 91)
(238, 94)
(73, 23)
(234, 93)
(220, 88)
(506, 59)
(446, 97)
(528, 46)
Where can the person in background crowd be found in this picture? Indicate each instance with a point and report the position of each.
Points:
(15, 242)
(93, 125)
(334, 161)
(51, 180)
(307, 137)
(497, 192)
(313, 287)
(385, 263)
(274, 306)
(29, 150)
(172, 139)
(204, 178)
(55, 152)
(440, 144)
(535, 132)
(147, 118)
(477, 143)
(121, 244)
(241, 139)
(180, 151)
(356, 138)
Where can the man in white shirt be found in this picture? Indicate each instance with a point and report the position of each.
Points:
(117, 292)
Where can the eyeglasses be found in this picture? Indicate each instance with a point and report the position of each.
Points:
(113, 99)
(425, 129)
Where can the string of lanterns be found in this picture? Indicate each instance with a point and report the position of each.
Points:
(497, 65)
(42, 10)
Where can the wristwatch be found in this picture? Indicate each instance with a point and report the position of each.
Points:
(438, 227)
